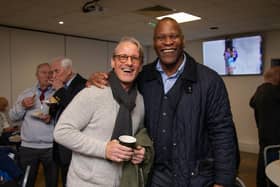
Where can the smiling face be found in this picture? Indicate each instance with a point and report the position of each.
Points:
(169, 42)
(127, 63)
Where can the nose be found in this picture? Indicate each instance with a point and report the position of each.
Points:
(168, 40)
(129, 61)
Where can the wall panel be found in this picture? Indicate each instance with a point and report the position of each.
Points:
(88, 55)
(5, 78)
(28, 49)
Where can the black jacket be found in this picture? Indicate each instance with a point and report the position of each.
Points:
(204, 138)
(64, 96)
(266, 105)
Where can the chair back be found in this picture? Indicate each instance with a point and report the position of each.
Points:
(271, 153)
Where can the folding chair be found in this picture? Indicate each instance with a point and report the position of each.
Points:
(26, 174)
(9, 168)
(239, 182)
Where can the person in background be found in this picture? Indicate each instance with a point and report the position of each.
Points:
(266, 105)
(6, 129)
(67, 84)
(187, 114)
(37, 129)
(93, 121)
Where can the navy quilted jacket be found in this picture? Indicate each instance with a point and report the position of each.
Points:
(205, 148)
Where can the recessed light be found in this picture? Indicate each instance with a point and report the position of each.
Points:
(181, 17)
(61, 22)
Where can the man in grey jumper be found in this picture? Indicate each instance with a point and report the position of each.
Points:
(37, 129)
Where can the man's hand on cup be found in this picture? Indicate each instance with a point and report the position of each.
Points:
(98, 79)
(117, 152)
(138, 155)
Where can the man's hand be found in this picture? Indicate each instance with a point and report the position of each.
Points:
(98, 79)
(56, 83)
(9, 129)
(45, 117)
(28, 102)
(117, 152)
(138, 155)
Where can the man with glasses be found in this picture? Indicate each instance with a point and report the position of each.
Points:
(93, 121)
(187, 114)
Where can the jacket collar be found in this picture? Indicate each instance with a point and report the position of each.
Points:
(189, 72)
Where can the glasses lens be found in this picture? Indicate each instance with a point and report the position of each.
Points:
(124, 58)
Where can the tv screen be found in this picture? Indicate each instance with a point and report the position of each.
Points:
(234, 56)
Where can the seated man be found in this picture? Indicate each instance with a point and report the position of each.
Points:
(6, 129)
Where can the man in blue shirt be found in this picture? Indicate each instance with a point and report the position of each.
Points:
(188, 116)
(37, 128)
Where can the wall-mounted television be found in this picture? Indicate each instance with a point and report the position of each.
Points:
(234, 55)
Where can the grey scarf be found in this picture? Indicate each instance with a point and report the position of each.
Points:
(126, 100)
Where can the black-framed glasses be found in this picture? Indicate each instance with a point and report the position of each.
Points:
(124, 58)
(162, 37)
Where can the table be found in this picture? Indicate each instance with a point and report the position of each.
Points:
(272, 171)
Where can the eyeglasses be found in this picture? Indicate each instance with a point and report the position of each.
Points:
(124, 58)
(172, 37)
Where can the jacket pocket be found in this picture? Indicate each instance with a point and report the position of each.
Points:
(95, 170)
(206, 167)
(202, 173)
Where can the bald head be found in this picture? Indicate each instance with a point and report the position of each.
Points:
(169, 44)
(167, 21)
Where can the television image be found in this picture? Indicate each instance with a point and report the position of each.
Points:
(234, 56)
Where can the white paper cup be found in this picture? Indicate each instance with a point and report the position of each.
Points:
(128, 141)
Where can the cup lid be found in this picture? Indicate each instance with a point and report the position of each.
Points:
(127, 139)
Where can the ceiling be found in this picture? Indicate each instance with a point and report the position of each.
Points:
(122, 17)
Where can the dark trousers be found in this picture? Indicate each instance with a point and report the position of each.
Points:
(62, 157)
(64, 171)
(32, 157)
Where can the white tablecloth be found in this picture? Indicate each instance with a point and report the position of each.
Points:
(272, 171)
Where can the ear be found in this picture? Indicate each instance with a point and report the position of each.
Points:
(184, 41)
(69, 71)
(141, 67)
(112, 63)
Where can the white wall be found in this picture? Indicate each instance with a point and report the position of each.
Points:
(22, 50)
(88, 55)
(240, 89)
(28, 49)
(5, 70)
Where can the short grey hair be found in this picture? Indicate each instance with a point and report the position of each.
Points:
(133, 41)
(64, 62)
